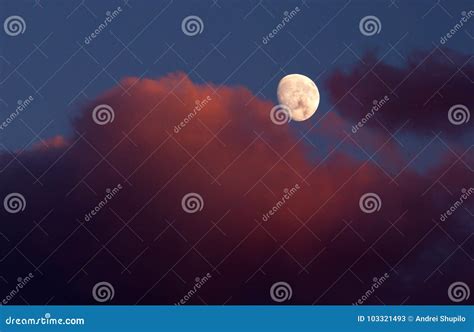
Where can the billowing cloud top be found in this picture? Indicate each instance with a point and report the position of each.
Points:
(108, 204)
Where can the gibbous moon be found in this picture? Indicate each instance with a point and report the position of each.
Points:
(300, 95)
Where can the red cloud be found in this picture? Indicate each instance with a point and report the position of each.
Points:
(55, 142)
(269, 213)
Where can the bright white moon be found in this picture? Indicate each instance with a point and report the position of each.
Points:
(300, 95)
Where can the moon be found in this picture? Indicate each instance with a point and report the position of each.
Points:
(300, 95)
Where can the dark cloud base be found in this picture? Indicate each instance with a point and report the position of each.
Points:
(320, 242)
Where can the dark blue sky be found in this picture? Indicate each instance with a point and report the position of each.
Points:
(413, 158)
(48, 63)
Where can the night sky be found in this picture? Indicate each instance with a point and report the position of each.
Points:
(324, 242)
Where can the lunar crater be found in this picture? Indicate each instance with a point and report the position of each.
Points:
(300, 95)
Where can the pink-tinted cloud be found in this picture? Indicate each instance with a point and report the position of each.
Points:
(242, 165)
(55, 142)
